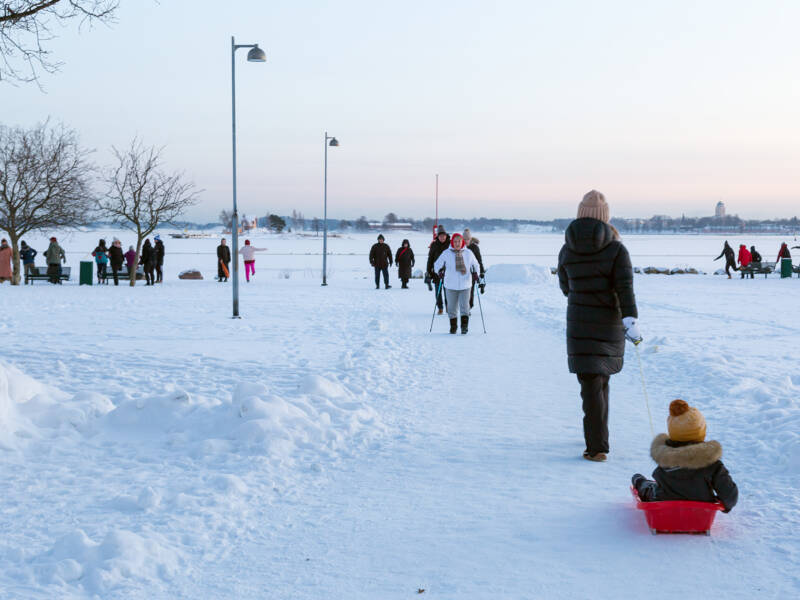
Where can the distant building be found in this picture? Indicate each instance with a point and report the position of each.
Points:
(719, 212)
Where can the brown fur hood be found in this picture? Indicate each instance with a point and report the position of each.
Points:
(693, 456)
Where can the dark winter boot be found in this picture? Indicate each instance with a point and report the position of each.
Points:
(464, 324)
(453, 325)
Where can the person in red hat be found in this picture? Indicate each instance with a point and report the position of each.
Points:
(248, 253)
(54, 256)
(460, 271)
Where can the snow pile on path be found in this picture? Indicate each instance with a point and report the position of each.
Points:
(98, 567)
(505, 273)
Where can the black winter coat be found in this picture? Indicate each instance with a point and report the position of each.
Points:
(595, 273)
(116, 258)
(475, 249)
(159, 249)
(404, 259)
(380, 255)
(435, 250)
(691, 471)
(148, 256)
(224, 253)
(730, 257)
(756, 256)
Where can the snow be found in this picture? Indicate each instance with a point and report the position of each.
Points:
(326, 445)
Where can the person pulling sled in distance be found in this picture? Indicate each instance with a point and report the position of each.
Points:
(460, 272)
(595, 274)
(380, 257)
(689, 468)
(438, 245)
(730, 258)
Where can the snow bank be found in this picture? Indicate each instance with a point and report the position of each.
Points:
(505, 273)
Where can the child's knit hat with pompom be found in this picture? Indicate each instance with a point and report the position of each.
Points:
(685, 423)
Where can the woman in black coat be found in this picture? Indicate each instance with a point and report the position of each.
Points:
(595, 273)
(404, 259)
(148, 259)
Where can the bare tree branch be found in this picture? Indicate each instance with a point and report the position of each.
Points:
(44, 182)
(26, 26)
(141, 195)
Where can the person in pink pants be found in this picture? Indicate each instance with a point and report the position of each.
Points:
(248, 253)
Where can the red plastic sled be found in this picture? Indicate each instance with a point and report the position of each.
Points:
(678, 516)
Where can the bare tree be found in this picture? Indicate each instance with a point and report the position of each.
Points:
(26, 26)
(226, 218)
(44, 182)
(141, 195)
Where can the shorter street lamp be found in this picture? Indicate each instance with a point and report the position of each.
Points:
(333, 142)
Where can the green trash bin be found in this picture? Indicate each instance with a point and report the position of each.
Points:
(87, 272)
(786, 267)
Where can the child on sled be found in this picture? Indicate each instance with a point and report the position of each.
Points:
(689, 468)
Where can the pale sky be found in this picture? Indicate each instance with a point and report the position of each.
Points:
(520, 106)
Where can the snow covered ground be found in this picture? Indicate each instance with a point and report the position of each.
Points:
(327, 446)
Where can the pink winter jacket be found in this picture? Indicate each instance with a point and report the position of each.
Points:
(5, 262)
(249, 252)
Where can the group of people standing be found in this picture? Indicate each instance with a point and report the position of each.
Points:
(54, 256)
(748, 258)
(151, 258)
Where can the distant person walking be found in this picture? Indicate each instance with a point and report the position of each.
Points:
(730, 258)
(54, 256)
(460, 270)
(248, 253)
(404, 259)
(595, 274)
(223, 261)
(5, 261)
(116, 258)
(159, 250)
(100, 254)
(438, 245)
(472, 244)
(380, 257)
(28, 256)
(744, 259)
(148, 260)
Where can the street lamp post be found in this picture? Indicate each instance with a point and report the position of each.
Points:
(255, 54)
(333, 142)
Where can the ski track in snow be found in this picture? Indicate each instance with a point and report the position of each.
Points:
(326, 446)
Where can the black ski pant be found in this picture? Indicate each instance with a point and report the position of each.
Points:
(148, 273)
(594, 392)
(378, 271)
(115, 273)
(159, 275)
(101, 272)
(729, 265)
(54, 271)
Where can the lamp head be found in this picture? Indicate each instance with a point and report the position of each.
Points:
(256, 55)
(334, 142)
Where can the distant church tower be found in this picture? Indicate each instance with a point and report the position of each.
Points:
(720, 210)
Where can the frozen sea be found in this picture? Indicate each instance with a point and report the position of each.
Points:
(326, 445)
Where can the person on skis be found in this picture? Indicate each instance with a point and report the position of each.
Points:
(595, 274)
(689, 468)
(404, 259)
(460, 271)
(745, 258)
(730, 260)
(438, 245)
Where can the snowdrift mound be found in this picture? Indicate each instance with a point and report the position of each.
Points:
(531, 274)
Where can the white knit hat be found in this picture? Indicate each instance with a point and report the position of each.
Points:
(594, 206)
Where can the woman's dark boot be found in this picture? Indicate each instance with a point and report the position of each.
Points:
(453, 325)
(464, 324)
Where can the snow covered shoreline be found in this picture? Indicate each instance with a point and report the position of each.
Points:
(321, 446)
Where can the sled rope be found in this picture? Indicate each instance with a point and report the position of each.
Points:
(644, 388)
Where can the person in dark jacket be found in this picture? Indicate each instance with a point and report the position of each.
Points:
(689, 468)
(159, 249)
(223, 261)
(405, 262)
(471, 244)
(28, 256)
(380, 257)
(148, 259)
(100, 254)
(595, 273)
(438, 245)
(116, 258)
(730, 258)
(755, 255)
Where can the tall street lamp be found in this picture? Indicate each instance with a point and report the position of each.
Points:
(255, 54)
(333, 142)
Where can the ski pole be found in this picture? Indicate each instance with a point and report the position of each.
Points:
(644, 388)
(480, 305)
(436, 302)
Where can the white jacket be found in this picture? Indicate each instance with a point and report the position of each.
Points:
(453, 280)
(249, 252)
